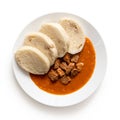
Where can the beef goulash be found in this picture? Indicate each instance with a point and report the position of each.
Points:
(67, 84)
(59, 58)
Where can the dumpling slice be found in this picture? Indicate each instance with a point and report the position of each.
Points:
(56, 32)
(75, 33)
(43, 43)
(32, 60)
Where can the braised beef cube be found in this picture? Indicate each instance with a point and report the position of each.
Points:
(70, 67)
(65, 80)
(63, 65)
(74, 72)
(75, 58)
(57, 64)
(79, 66)
(60, 72)
(53, 75)
(67, 58)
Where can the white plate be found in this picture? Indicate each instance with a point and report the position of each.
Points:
(43, 97)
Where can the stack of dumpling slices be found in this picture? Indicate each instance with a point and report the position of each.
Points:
(54, 40)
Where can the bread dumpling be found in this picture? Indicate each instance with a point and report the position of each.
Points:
(32, 60)
(75, 33)
(43, 43)
(56, 32)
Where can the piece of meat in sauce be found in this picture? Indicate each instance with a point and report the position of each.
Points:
(67, 58)
(56, 64)
(63, 65)
(60, 72)
(70, 67)
(65, 80)
(79, 66)
(75, 58)
(52, 74)
(74, 72)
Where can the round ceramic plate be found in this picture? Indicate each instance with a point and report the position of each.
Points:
(43, 97)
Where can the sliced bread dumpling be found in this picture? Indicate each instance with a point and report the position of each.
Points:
(75, 33)
(32, 60)
(43, 43)
(56, 32)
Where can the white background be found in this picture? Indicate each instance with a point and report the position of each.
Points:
(104, 15)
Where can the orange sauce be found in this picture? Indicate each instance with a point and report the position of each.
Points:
(88, 57)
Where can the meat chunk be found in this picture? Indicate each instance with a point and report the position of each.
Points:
(74, 72)
(79, 66)
(75, 58)
(53, 75)
(63, 65)
(67, 58)
(65, 80)
(60, 72)
(70, 67)
(57, 64)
